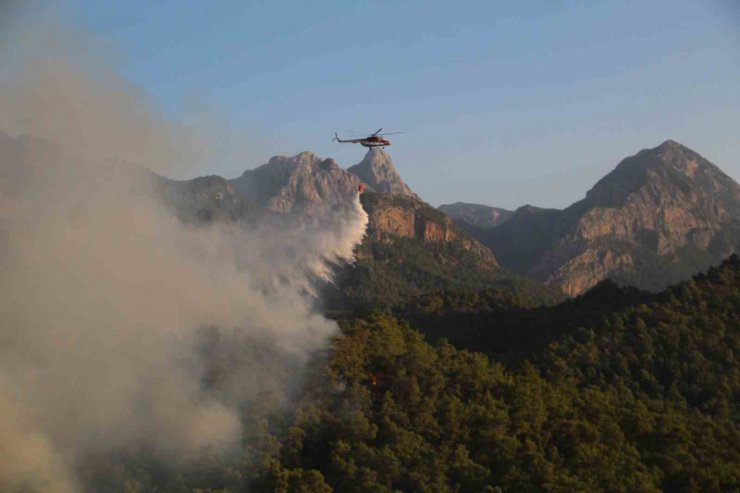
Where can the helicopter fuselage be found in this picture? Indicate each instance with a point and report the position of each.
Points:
(375, 141)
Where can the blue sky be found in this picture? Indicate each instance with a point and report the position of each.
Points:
(503, 103)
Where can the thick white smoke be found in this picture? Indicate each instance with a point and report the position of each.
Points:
(121, 327)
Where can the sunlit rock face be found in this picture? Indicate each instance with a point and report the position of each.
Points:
(393, 216)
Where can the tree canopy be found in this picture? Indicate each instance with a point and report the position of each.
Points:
(642, 396)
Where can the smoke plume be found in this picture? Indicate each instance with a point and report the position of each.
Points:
(122, 328)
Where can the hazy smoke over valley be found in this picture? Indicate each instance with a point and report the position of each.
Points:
(120, 327)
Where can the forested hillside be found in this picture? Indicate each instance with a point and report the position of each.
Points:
(643, 397)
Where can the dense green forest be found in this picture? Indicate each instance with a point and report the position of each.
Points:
(633, 392)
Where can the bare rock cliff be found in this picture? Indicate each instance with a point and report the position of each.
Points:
(407, 217)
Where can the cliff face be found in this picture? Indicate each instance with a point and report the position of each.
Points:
(658, 217)
(410, 247)
(407, 217)
(476, 215)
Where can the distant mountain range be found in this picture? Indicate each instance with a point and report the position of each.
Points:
(658, 217)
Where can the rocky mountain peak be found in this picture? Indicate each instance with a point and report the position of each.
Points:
(302, 183)
(680, 157)
(306, 156)
(669, 168)
(377, 170)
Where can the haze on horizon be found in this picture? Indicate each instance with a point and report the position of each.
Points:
(501, 104)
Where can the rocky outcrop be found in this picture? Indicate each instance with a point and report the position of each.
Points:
(659, 216)
(407, 217)
(377, 170)
(476, 215)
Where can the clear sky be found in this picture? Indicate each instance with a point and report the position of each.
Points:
(503, 103)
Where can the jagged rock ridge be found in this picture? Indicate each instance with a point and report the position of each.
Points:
(658, 217)
(308, 184)
(303, 183)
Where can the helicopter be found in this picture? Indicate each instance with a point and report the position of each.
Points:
(373, 140)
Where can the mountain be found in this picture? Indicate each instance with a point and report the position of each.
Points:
(302, 183)
(476, 215)
(658, 217)
(308, 184)
(410, 249)
(377, 170)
